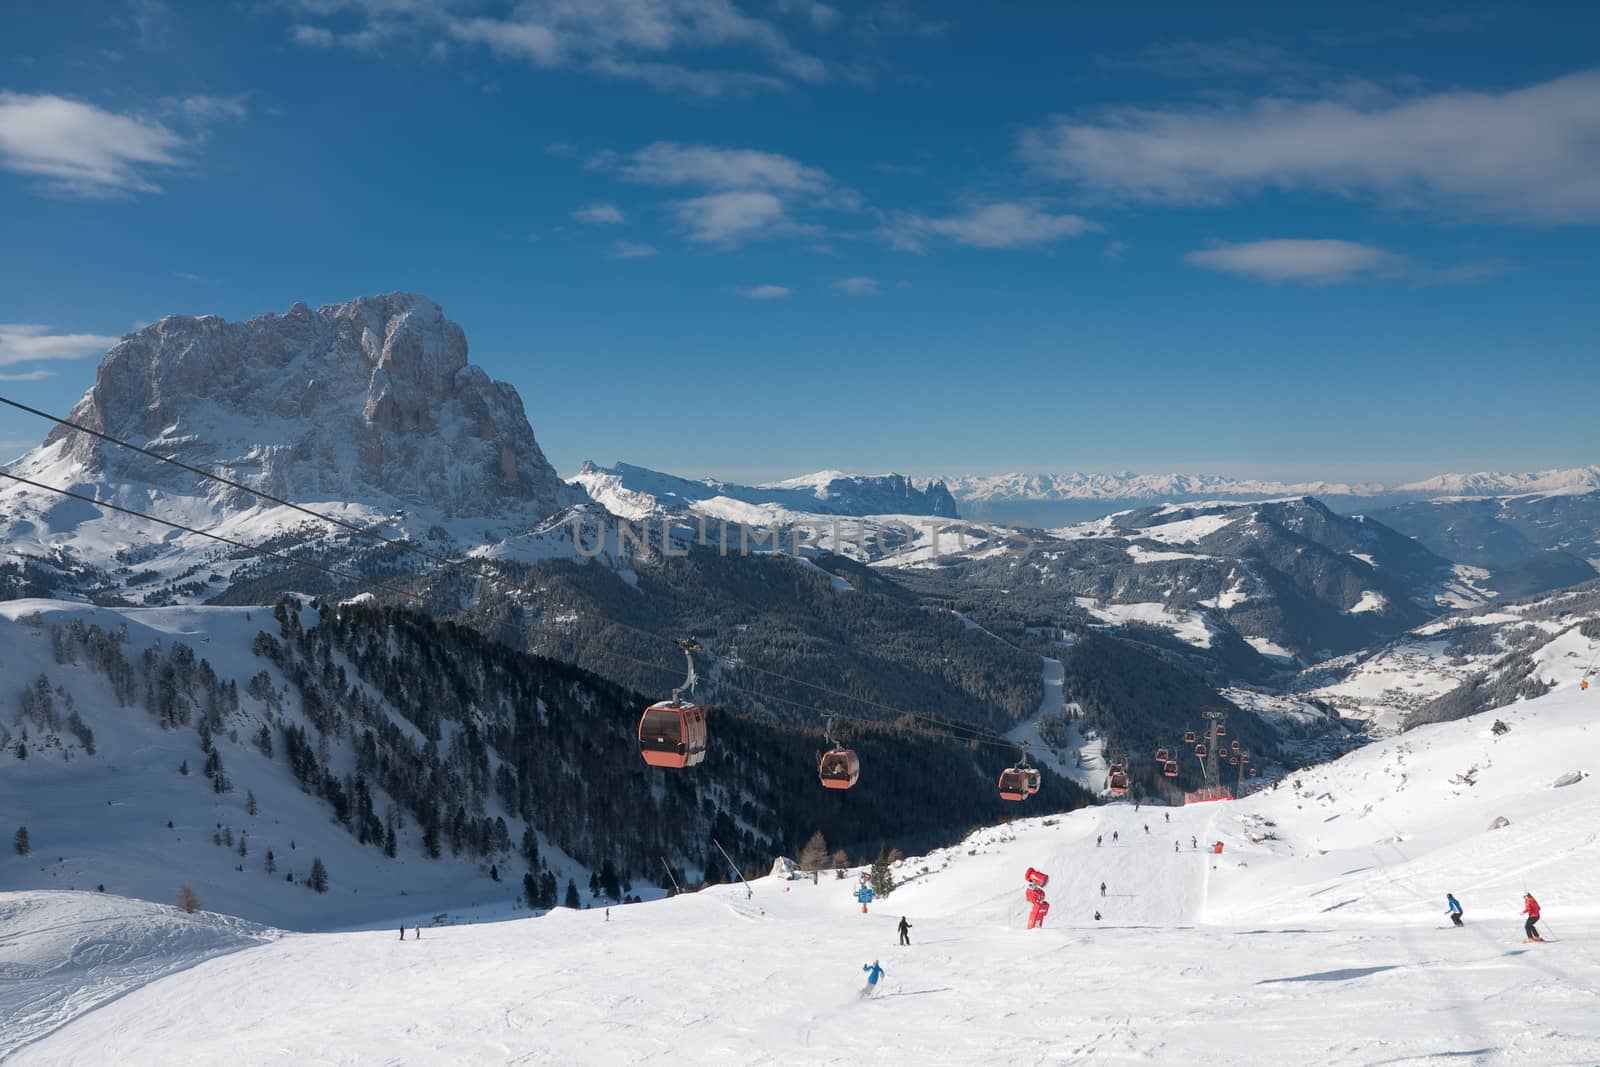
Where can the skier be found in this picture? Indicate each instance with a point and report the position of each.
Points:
(1146, 827)
(1097, 916)
(1167, 815)
(905, 931)
(1097, 839)
(1455, 908)
(419, 933)
(1113, 837)
(1530, 908)
(402, 933)
(1174, 844)
(1102, 889)
(608, 915)
(1194, 842)
(874, 972)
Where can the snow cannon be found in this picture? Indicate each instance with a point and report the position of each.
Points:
(1037, 878)
(1035, 894)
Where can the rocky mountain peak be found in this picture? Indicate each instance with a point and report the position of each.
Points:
(373, 400)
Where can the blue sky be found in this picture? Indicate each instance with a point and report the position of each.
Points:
(751, 238)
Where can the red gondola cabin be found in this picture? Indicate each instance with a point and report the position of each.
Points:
(839, 768)
(1014, 783)
(673, 734)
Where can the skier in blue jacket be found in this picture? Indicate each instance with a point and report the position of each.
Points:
(874, 972)
(1455, 908)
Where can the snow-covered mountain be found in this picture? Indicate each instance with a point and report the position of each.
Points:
(429, 767)
(1128, 486)
(1467, 661)
(367, 410)
(1313, 933)
(637, 492)
(1497, 483)
(370, 400)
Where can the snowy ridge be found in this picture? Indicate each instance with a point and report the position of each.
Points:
(637, 492)
(1326, 907)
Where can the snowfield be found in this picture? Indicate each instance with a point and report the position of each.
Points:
(1317, 936)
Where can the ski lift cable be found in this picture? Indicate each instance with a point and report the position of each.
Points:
(441, 560)
(959, 731)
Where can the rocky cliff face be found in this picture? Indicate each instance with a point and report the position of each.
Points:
(370, 400)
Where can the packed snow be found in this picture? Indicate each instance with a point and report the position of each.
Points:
(1318, 935)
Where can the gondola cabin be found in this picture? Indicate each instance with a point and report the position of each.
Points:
(839, 768)
(1031, 782)
(1189, 738)
(1117, 781)
(1233, 761)
(1234, 744)
(1014, 783)
(1171, 768)
(1200, 751)
(1222, 729)
(1162, 755)
(673, 734)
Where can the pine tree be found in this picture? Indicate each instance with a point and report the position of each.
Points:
(882, 877)
(244, 849)
(389, 843)
(319, 875)
(608, 881)
(814, 856)
(494, 872)
(249, 802)
(530, 889)
(572, 894)
(270, 864)
(188, 900)
(20, 841)
(183, 768)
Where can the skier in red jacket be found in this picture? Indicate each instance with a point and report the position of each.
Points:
(1530, 908)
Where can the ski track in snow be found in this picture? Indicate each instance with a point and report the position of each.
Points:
(1318, 936)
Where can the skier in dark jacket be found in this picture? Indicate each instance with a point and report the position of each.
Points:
(1102, 889)
(402, 933)
(905, 931)
(1455, 908)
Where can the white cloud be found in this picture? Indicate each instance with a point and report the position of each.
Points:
(996, 225)
(80, 149)
(1530, 154)
(153, 24)
(201, 109)
(627, 39)
(748, 193)
(1115, 250)
(1313, 261)
(28, 376)
(599, 214)
(859, 285)
(728, 218)
(631, 250)
(765, 292)
(22, 342)
(669, 163)
(83, 150)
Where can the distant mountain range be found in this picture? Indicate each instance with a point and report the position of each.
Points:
(637, 492)
(1126, 486)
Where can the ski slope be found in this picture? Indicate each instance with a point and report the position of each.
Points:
(1317, 936)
